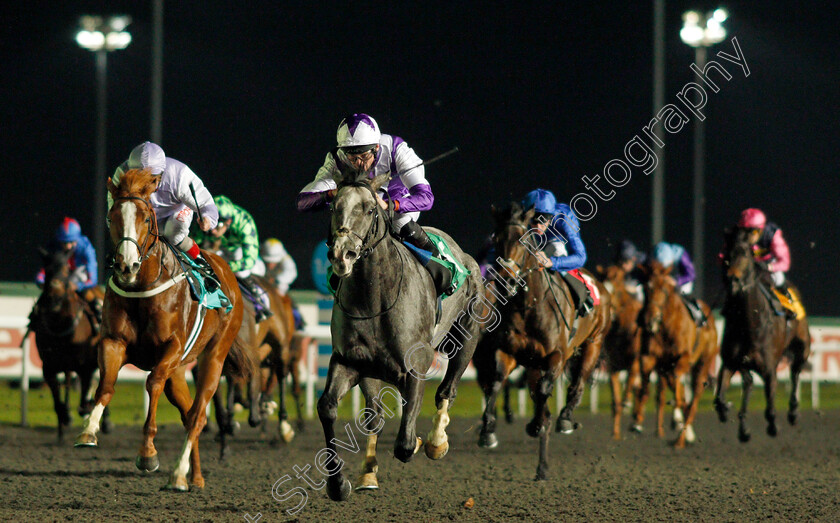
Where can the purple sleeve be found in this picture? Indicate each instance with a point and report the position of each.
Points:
(311, 201)
(420, 198)
(686, 270)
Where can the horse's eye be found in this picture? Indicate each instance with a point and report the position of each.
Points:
(370, 211)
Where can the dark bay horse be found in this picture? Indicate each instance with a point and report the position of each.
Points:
(538, 329)
(383, 329)
(623, 342)
(148, 320)
(673, 345)
(754, 337)
(66, 339)
(269, 345)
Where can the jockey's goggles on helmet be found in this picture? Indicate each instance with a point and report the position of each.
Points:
(358, 151)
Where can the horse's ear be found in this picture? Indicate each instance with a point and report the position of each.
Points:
(379, 181)
(111, 187)
(528, 215)
(150, 187)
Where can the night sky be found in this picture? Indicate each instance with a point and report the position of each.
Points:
(534, 95)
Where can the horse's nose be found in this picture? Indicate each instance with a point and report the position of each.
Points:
(135, 267)
(350, 255)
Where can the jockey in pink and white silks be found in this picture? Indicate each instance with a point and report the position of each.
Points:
(173, 200)
(362, 148)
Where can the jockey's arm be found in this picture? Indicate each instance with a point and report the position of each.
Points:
(245, 230)
(780, 252)
(316, 194)
(203, 199)
(566, 228)
(686, 270)
(413, 176)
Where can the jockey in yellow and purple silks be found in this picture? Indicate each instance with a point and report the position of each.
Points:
(771, 249)
(362, 148)
(83, 266)
(563, 249)
(173, 200)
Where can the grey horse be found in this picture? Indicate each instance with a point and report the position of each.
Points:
(383, 330)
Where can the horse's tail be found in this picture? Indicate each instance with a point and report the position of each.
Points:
(242, 362)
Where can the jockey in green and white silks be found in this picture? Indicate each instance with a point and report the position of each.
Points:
(239, 245)
(173, 200)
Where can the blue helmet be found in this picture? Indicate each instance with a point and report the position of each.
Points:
(667, 253)
(541, 200)
(68, 231)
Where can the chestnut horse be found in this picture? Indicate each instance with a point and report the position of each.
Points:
(673, 345)
(148, 318)
(623, 342)
(66, 339)
(538, 329)
(754, 337)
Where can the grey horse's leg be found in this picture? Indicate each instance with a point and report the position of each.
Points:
(371, 425)
(340, 379)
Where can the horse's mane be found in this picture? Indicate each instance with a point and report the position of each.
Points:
(135, 181)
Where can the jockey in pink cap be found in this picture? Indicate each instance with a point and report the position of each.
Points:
(770, 246)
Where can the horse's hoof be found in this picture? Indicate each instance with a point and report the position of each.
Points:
(177, 484)
(534, 429)
(542, 475)
(287, 434)
(341, 493)
(565, 426)
(148, 464)
(637, 428)
(436, 451)
(744, 436)
(772, 431)
(368, 482)
(85, 440)
(254, 422)
(509, 417)
(301, 425)
(793, 417)
(196, 483)
(690, 437)
(488, 440)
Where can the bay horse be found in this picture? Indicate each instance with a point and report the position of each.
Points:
(383, 328)
(539, 330)
(754, 337)
(66, 339)
(673, 345)
(148, 318)
(622, 345)
(269, 346)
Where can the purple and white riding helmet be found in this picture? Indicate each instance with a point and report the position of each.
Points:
(357, 133)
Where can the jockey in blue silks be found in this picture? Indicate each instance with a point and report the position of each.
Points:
(564, 250)
(83, 266)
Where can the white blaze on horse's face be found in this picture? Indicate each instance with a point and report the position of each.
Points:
(351, 222)
(127, 261)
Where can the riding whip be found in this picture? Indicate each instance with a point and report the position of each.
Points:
(197, 206)
(436, 158)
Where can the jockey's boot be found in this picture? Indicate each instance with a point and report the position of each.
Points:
(210, 282)
(262, 310)
(414, 234)
(694, 309)
(790, 313)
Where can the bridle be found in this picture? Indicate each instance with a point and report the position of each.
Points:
(146, 249)
(368, 243)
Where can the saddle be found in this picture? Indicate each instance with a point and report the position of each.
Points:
(785, 301)
(584, 299)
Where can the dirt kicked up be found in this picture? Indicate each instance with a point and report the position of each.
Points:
(795, 476)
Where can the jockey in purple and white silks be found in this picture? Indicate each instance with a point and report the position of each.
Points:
(173, 200)
(362, 148)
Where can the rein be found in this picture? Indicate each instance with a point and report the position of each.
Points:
(366, 251)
